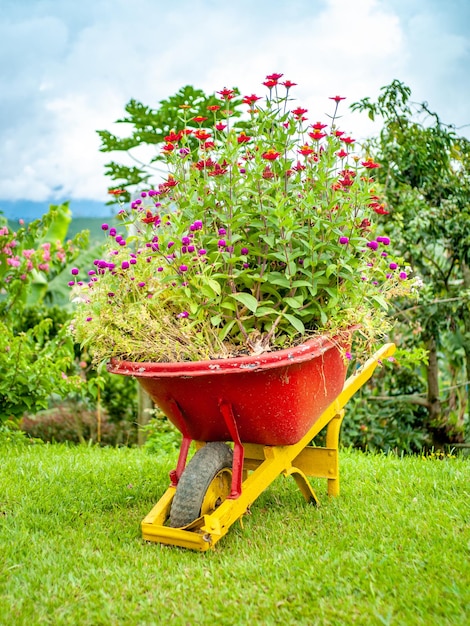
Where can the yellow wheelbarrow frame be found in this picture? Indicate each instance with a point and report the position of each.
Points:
(262, 464)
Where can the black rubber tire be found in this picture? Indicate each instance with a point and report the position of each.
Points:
(195, 480)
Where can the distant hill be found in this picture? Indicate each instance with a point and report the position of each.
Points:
(25, 209)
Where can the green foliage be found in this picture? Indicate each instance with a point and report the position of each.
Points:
(77, 422)
(426, 172)
(161, 437)
(36, 351)
(253, 239)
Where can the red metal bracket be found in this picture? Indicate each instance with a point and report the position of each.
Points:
(238, 450)
(175, 474)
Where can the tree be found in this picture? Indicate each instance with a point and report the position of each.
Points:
(426, 177)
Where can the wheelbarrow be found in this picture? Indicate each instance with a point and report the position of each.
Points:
(251, 419)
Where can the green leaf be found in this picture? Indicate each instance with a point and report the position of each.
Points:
(295, 322)
(280, 280)
(331, 269)
(294, 303)
(266, 310)
(226, 329)
(215, 320)
(247, 300)
(214, 285)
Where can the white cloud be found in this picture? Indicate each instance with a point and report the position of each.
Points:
(76, 65)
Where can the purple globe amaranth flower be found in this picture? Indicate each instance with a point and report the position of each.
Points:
(184, 249)
(344, 240)
(185, 241)
(222, 243)
(133, 261)
(191, 248)
(143, 194)
(110, 294)
(104, 226)
(384, 254)
(202, 252)
(244, 251)
(246, 265)
(71, 283)
(183, 268)
(88, 319)
(373, 245)
(183, 314)
(197, 225)
(170, 244)
(384, 240)
(91, 273)
(403, 275)
(125, 265)
(393, 266)
(141, 284)
(222, 231)
(160, 269)
(122, 242)
(112, 232)
(74, 271)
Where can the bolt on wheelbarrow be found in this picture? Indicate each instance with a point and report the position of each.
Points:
(251, 419)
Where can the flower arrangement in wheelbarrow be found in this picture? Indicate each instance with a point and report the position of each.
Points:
(260, 235)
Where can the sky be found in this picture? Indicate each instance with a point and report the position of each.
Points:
(68, 68)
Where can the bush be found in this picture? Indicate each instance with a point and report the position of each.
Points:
(76, 423)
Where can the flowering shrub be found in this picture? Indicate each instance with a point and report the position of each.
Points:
(260, 233)
(36, 352)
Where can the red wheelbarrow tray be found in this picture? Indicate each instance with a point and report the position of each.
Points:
(274, 398)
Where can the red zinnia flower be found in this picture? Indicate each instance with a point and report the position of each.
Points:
(306, 150)
(172, 136)
(149, 218)
(218, 170)
(168, 147)
(208, 145)
(270, 155)
(220, 126)
(298, 112)
(243, 137)
(199, 119)
(213, 107)
(288, 84)
(275, 77)
(299, 167)
(270, 83)
(171, 182)
(201, 134)
(342, 154)
(337, 98)
(268, 173)
(205, 164)
(338, 133)
(369, 163)
(348, 140)
(319, 126)
(251, 99)
(227, 94)
(317, 135)
(116, 192)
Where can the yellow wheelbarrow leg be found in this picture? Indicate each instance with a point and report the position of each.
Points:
(262, 465)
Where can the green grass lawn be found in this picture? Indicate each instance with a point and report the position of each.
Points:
(394, 548)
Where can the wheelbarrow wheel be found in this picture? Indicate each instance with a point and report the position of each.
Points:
(204, 484)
